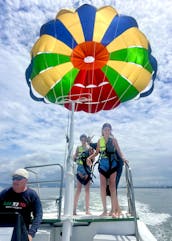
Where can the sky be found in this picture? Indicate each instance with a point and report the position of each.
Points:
(33, 133)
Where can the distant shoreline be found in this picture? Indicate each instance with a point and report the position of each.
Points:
(146, 187)
(151, 187)
(3, 185)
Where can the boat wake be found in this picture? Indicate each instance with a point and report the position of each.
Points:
(150, 218)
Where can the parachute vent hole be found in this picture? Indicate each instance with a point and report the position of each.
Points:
(89, 59)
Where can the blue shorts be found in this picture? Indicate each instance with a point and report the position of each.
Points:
(81, 170)
(83, 176)
(106, 168)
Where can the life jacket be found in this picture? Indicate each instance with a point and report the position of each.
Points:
(106, 148)
(82, 152)
(102, 144)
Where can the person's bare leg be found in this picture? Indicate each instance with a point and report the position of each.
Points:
(87, 197)
(76, 198)
(115, 211)
(103, 193)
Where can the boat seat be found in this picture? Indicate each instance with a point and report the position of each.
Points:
(107, 237)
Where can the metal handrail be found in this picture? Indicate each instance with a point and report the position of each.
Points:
(131, 197)
(59, 180)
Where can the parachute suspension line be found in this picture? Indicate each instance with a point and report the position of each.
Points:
(67, 139)
(76, 103)
(54, 93)
(92, 77)
(70, 97)
(110, 92)
(98, 99)
(100, 93)
(61, 87)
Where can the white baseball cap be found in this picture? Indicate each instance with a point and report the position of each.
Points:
(21, 172)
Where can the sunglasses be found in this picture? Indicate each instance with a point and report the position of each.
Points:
(17, 178)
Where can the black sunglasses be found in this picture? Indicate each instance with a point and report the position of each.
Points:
(17, 178)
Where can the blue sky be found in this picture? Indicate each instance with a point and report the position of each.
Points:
(34, 133)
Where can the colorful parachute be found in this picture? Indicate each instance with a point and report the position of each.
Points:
(95, 57)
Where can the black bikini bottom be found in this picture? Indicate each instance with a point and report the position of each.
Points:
(108, 173)
(82, 180)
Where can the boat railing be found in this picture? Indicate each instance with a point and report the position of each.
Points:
(57, 180)
(131, 197)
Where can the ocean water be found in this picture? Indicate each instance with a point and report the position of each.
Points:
(154, 207)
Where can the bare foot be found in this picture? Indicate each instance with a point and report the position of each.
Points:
(88, 213)
(103, 214)
(114, 215)
(118, 212)
(110, 213)
(74, 213)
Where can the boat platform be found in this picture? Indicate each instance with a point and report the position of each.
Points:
(90, 228)
(95, 228)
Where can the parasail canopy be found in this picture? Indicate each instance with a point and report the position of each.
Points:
(94, 57)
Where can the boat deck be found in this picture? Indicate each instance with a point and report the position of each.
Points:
(81, 218)
(92, 227)
(102, 237)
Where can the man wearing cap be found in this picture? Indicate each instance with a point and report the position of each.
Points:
(20, 198)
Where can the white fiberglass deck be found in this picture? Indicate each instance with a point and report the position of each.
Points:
(86, 228)
(102, 237)
(95, 228)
